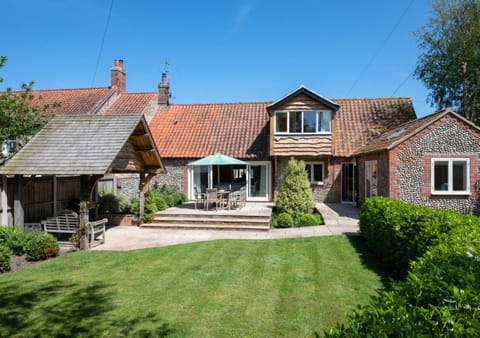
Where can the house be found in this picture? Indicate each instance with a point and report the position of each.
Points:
(432, 161)
(353, 147)
(323, 132)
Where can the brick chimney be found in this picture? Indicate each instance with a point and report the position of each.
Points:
(164, 91)
(118, 76)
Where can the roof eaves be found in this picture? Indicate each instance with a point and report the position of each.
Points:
(302, 89)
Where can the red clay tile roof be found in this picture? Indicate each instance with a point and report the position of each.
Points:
(242, 129)
(394, 136)
(359, 120)
(239, 130)
(72, 101)
(131, 103)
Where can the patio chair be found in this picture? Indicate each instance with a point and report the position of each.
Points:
(233, 199)
(243, 196)
(199, 197)
(211, 197)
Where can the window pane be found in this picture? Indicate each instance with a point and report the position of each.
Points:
(318, 173)
(295, 122)
(281, 122)
(459, 176)
(441, 175)
(309, 121)
(325, 118)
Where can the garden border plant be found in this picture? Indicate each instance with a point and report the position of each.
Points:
(295, 204)
(35, 245)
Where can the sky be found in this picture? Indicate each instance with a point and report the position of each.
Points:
(218, 51)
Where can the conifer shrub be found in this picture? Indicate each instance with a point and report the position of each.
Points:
(295, 195)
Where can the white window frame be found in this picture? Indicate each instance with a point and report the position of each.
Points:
(317, 121)
(450, 190)
(311, 178)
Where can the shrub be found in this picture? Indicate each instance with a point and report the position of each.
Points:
(179, 198)
(306, 220)
(285, 220)
(5, 257)
(169, 200)
(14, 238)
(398, 232)
(295, 195)
(109, 203)
(438, 298)
(42, 245)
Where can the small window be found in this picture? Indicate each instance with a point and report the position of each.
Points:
(315, 172)
(450, 176)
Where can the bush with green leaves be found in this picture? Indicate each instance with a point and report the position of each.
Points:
(439, 297)
(42, 245)
(34, 244)
(295, 195)
(5, 257)
(110, 203)
(306, 220)
(15, 238)
(399, 232)
(285, 220)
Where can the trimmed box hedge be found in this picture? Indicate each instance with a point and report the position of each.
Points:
(399, 232)
(439, 297)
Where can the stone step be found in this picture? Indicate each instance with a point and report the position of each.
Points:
(206, 226)
(213, 215)
(207, 220)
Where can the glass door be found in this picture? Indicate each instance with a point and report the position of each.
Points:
(258, 181)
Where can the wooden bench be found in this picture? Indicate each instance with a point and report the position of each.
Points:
(66, 222)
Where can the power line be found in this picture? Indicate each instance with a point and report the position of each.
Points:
(402, 83)
(103, 42)
(380, 47)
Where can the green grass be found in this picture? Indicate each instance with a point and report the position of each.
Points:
(294, 287)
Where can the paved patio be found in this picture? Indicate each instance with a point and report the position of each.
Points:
(339, 219)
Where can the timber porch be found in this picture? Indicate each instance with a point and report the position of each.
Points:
(253, 216)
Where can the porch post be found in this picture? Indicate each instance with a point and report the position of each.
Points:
(18, 211)
(143, 189)
(141, 198)
(87, 183)
(4, 201)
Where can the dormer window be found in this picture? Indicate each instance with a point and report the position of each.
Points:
(303, 122)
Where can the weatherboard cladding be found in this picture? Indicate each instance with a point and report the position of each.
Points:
(74, 145)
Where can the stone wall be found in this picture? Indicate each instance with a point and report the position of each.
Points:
(176, 176)
(448, 137)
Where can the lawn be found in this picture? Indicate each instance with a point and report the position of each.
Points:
(293, 287)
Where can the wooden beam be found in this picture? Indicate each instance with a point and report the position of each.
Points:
(4, 201)
(143, 189)
(18, 211)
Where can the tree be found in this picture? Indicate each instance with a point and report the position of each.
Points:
(19, 115)
(295, 195)
(450, 63)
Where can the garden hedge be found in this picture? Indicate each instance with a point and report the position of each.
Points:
(399, 232)
(439, 297)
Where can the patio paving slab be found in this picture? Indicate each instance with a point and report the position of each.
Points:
(339, 219)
